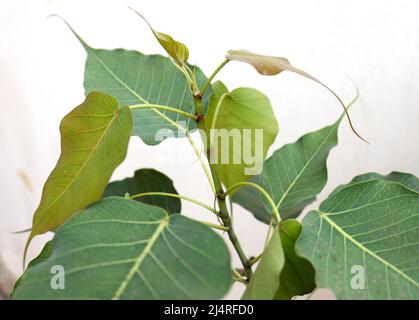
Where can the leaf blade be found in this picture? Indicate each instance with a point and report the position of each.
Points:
(297, 172)
(96, 128)
(177, 50)
(143, 181)
(119, 248)
(368, 221)
(269, 65)
(243, 109)
(281, 273)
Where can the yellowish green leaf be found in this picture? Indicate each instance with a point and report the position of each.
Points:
(242, 128)
(177, 50)
(94, 141)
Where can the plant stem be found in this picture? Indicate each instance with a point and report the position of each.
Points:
(215, 226)
(261, 190)
(208, 82)
(225, 217)
(174, 195)
(256, 259)
(223, 213)
(157, 106)
(201, 160)
(238, 277)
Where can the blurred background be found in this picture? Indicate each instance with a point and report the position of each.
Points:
(375, 43)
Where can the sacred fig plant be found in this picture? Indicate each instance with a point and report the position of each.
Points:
(129, 240)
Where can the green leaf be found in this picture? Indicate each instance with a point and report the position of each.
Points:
(94, 141)
(249, 198)
(124, 249)
(281, 273)
(365, 235)
(43, 256)
(266, 279)
(138, 79)
(239, 115)
(177, 50)
(268, 65)
(297, 172)
(298, 275)
(406, 179)
(146, 180)
(135, 78)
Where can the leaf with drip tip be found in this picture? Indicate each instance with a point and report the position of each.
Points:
(269, 66)
(177, 50)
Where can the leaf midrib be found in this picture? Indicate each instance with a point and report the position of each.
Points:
(133, 92)
(93, 150)
(323, 215)
(143, 254)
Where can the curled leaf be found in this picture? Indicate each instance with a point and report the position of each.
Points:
(269, 66)
(177, 50)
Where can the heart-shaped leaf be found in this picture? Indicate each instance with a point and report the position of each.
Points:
(363, 241)
(138, 79)
(243, 127)
(94, 141)
(124, 249)
(268, 65)
(297, 172)
(143, 181)
(281, 273)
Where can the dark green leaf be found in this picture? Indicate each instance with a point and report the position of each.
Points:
(146, 180)
(124, 249)
(297, 172)
(297, 276)
(281, 273)
(43, 256)
(135, 78)
(368, 230)
(406, 179)
(249, 198)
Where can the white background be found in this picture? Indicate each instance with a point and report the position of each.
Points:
(375, 43)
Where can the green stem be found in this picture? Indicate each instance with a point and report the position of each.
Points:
(208, 82)
(223, 213)
(268, 234)
(256, 259)
(215, 226)
(225, 217)
(201, 160)
(167, 108)
(261, 190)
(238, 277)
(174, 195)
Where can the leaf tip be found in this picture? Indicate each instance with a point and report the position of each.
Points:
(82, 42)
